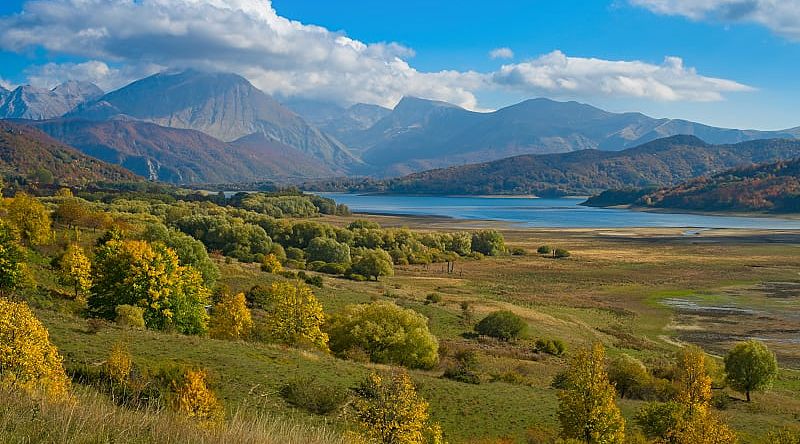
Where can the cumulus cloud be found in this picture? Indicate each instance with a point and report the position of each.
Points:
(501, 53)
(780, 16)
(556, 73)
(121, 40)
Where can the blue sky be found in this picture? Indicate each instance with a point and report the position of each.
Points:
(733, 62)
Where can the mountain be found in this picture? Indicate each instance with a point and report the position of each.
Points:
(29, 102)
(224, 106)
(772, 187)
(661, 162)
(27, 154)
(336, 120)
(182, 155)
(423, 134)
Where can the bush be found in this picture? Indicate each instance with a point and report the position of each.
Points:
(553, 347)
(295, 254)
(561, 253)
(328, 250)
(518, 251)
(357, 277)
(271, 264)
(544, 249)
(657, 419)
(464, 368)
(315, 281)
(129, 316)
(333, 268)
(629, 376)
(503, 325)
(388, 333)
(433, 298)
(308, 394)
(488, 242)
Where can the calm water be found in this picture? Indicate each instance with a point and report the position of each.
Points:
(553, 213)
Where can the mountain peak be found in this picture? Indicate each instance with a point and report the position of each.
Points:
(411, 102)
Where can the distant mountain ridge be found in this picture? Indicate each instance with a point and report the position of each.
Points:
(661, 162)
(182, 155)
(422, 134)
(27, 154)
(29, 102)
(225, 106)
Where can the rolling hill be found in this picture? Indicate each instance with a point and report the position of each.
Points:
(662, 162)
(181, 155)
(29, 155)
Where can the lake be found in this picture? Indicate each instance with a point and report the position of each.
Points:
(549, 213)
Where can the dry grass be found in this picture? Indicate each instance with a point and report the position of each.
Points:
(93, 419)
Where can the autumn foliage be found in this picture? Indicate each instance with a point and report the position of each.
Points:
(27, 358)
(195, 400)
(231, 318)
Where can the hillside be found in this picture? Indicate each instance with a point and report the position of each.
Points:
(662, 162)
(27, 154)
(423, 134)
(181, 155)
(773, 187)
(224, 106)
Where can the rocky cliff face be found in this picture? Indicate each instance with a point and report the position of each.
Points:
(29, 102)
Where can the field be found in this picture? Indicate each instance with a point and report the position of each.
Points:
(641, 292)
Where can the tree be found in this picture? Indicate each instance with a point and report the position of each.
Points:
(586, 409)
(76, 270)
(628, 375)
(195, 399)
(28, 360)
(694, 383)
(503, 325)
(488, 242)
(231, 318)
(389, 411)
(750, 366)
(31, 219)
(328, 250)
(11, 259)
(293, 315)
(387, 333)
(119, 363)
(148, 276)
(373, 263)
(271, 264)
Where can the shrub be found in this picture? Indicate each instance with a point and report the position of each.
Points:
(119, 363)
(194, 399)
(464, 368)
(658, 419)
(332, 268)
(308, 394)
(28, 360)
(561, 253)
(129, 316)
(357, 277)
(503, 325)
(544, 249)
(295, 254)
(433, 298)
(316, 281)
(293, 315)
(231, 319)
(553, 347)
(388, 333)
(271, 264)
(518, 251)
(629, 376)
(488, 242)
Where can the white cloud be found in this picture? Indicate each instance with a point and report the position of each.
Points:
(780, 16)
(574, 76)
(501, 53)
(121, 40)
(6, 84)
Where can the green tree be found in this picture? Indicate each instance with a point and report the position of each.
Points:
(76, 270)
(488, 242)
(750, 366)
(293, 315)
(148, 276)
(628, 375)
(11, 259)
(328, 250)
(31, 219)
(586, 409)
(373, 263)
(387, 333)
(503, 325)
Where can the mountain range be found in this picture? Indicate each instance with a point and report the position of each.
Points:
(195, 126)
(661, 162)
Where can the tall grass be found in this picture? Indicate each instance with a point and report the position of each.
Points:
(93, 419)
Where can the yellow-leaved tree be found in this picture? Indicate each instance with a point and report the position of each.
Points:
(587, 410)
(231, 319)
(27, 358)
(294, 315)
(698, 424)
(119, 363)
(11, 260)
(76, 270)
(196, 400)
(31, 219)
(388, 410)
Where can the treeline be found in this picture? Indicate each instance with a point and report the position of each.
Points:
(771, 187)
